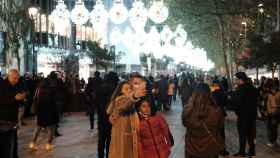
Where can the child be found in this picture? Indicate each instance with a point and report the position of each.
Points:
(155, 139)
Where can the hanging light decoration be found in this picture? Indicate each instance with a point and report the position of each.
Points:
(180, 36)
(80, 14)
(118, 13)
(60, 12)
(129, 38)
(152, 44)
(99, 15)
(158, 12)
(138, 15)
(166, 34)
(140, 37)
(115, 36)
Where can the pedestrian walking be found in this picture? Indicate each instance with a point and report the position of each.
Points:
(273, 109)
(10, 96)
(203, 118)
(170, 92)
(103, 98)
(220, 98)
(47, 115)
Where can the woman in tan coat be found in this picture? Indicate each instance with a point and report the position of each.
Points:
(124, 119)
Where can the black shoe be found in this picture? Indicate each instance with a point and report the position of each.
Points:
(251, 154)
(240, 155)
(224, 153)
(57, 134)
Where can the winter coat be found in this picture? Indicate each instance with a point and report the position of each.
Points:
(124, 135)
(154, 138)
(47, 113)
(8, 104)
(186, 93)
(245, 100)
(273, 102)
(162, 90)
(198, 141)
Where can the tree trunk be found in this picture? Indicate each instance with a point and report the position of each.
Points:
(222, 33)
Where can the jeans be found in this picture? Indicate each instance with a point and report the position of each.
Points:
(8, 143)
(91, 117)
(272, 129)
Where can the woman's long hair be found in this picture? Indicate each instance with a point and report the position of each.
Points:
(201, 99)
(117, 93)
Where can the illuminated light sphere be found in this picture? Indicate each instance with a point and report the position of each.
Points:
(180, 36)
(166, 34)
(60, 12)
(99, 15)
(118, 13)
(115, 36)
(128, 38)
(140, 37)
(152, 44)
(80, 14)
(158, 12)
(138, 15)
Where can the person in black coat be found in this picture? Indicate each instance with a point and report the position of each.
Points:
(91, 91)
(245, 101)
(47, 114)
(162, 93)
(103, 98)
(220, 98)
(11, 94)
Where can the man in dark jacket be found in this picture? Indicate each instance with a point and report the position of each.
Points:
(162, 93)
(245, 101)
(11, 93)
(103, 98)
(92, 90)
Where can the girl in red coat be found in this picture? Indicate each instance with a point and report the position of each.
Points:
(155, 139)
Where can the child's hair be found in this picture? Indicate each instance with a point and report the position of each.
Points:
(150, 103)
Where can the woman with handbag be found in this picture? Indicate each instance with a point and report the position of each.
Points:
(203, 118)
(273, 109)
(47, 115)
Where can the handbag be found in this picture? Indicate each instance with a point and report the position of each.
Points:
(34, 107)
(219, 145)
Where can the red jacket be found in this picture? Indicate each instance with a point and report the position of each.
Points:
(154, 138)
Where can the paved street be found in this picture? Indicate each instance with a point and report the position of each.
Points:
(78, 142)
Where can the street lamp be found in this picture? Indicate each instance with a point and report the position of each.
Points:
(33, 13)
(245, 25)
(261, 8)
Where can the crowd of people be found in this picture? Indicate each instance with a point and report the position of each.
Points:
(129, 109)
